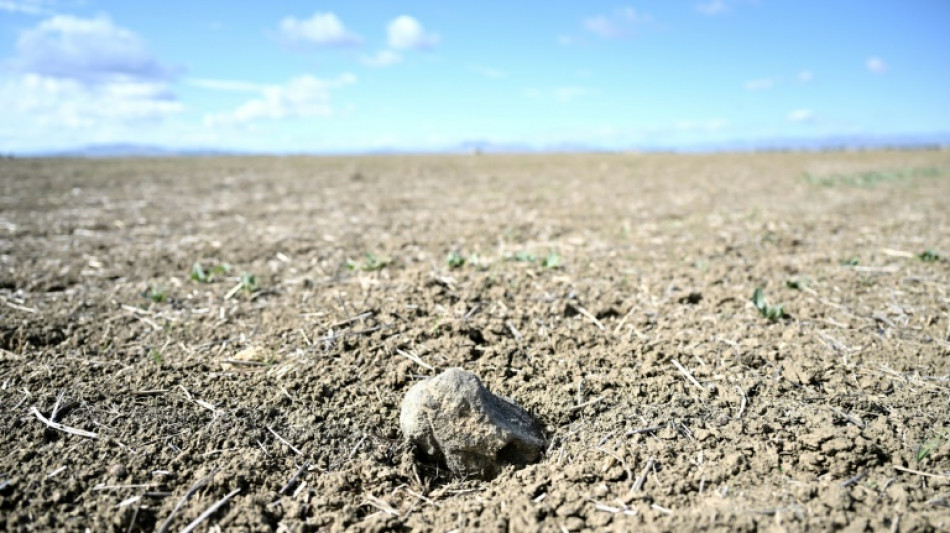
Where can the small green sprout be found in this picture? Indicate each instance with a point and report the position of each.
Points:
(928, 447)
(852, 261)
(199, 274)
(929, 256)
(373, 262)
(455, 260)
(523, 257)
(157, 294)
(249, 283)
(552, 260)
(156, 356)
(771, 312)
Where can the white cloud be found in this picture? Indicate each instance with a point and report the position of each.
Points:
(761, 84)
(875, 65)
(64, 103)
(805, 76)
(322, 29)
(88, 50)
(29, 7)
(406, 33)
(801, 116)
(382, 58)
(72, 74)
(620, 24)
(713, 7)
(301, 97)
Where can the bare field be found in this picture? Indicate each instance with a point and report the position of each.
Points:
(226, 342)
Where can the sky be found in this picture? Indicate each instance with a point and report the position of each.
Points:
(330, 77)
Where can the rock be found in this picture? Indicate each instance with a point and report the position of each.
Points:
(118, 471)
(453, 419)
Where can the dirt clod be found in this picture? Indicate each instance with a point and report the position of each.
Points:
(452, 418)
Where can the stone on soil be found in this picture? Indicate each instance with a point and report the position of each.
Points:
(453, 419)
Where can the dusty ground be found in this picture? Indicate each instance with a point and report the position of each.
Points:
(609, 295)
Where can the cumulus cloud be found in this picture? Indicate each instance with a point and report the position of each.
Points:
(382, 58)
(322, 29)
(301, 97)
(801, 116)
(29, 7)
(406, 33)
(90, 50)
(66, 103)
(761, 84)
(622, 23)
(85, 73)
(875, 65)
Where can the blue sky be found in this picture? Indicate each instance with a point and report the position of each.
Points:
(352, 76)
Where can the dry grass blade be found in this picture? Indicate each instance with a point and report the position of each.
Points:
(638, 484)
(415, 359)
(687, 374)
(587, 314)
(293, 480)
(209, 511)
(381, 505)
(281, 439)
(191, 491)
(60, 427)
(918, 472)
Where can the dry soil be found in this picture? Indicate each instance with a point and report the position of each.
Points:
(610, 295)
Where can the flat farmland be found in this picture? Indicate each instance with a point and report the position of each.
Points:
(224, 343)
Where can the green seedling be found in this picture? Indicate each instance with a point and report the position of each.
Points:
(199, 274)
(157, 294)
(523, 257)
(156, 356)
(371, 262)
(928, 447)
(552, 260)
(455, 260)
(853, 261)
(929, 256)
(771, 312)
(249, 283)
(873, 178)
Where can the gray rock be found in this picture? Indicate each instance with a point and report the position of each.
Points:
(453, 419)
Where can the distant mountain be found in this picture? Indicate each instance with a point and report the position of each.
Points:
(132, 150)
(837, 142)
